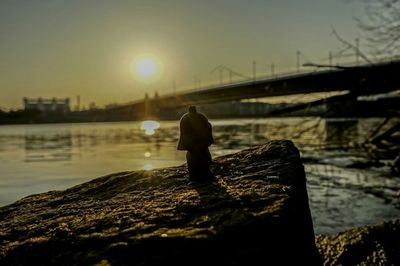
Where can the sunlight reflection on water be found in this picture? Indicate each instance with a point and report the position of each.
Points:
(150, 127)
(148, 167)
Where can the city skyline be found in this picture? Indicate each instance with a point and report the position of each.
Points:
(88, 48)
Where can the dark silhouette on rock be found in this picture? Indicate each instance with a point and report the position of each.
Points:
(255, 212)
(195, 138)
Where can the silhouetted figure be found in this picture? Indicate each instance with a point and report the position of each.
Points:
(195, 138)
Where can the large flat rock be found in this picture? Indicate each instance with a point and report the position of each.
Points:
(255, 211)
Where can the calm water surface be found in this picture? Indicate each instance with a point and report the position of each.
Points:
(39, 158)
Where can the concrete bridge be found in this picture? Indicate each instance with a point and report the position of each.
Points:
(360, 80)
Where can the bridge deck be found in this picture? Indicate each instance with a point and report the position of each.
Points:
(363, 80)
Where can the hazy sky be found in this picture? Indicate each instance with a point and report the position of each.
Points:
(65, 48)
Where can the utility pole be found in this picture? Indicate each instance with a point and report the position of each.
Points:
(298, 60)
(254, 70)
(272, 69)
(357, 50)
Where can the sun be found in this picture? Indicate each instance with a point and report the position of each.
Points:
(147, 68)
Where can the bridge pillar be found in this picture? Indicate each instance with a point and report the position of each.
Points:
(344, 108)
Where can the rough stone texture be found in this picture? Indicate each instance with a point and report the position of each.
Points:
(255, 211)
(368, 245)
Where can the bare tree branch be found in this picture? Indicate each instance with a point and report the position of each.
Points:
(382, 27)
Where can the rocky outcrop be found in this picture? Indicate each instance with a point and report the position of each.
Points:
(368, 245)
(254, 211)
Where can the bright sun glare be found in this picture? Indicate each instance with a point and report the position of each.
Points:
(147, 68)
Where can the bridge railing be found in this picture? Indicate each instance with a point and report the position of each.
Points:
(286, 74)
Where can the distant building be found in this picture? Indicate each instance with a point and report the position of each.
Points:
(47, 105)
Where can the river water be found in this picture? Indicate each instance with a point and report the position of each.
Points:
(39, 158)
